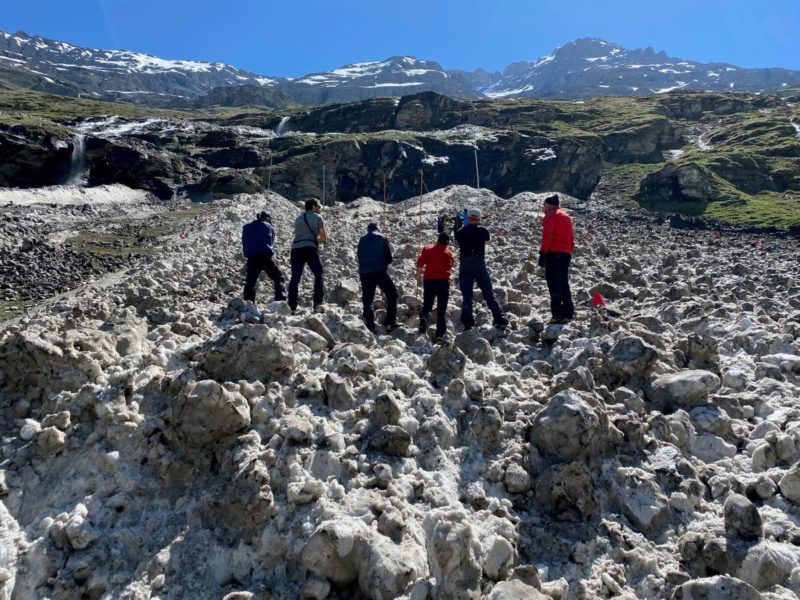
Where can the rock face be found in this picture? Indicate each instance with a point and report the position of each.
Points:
(685, 183)
(31, 159)
(154, 421)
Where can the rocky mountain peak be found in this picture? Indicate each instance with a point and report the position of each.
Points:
(584, 67)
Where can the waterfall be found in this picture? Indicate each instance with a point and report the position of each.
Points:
(77, 165)
(796, 127)
(281, 128)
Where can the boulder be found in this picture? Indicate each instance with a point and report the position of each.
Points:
(721, 587)
(742, 519)
(454, 555)
(630, 356)
(390, 439)
(684, 389)
(338, 392)
(789, 484)
(515, 590)
(345, 291)
(572, 425)
(51, 440)
(643, 502)
(448, 361)
(567, 491)
(346, 549)
(246, 351)
(769, 563)
(205, 412)
(385, 411)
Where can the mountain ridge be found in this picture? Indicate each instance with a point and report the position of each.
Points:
(581, 68)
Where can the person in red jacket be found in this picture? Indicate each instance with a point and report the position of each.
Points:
(555, 254)
(435, 265)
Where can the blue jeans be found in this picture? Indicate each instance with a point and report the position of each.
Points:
(299, 258)
(472, 270)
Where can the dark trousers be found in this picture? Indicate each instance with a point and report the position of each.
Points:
(263, 262)
(438, 290)
(369, 283)
(556, 272)
(299, 258)
(472, 270)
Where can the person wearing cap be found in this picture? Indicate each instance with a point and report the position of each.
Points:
(309, 233)
(555, 255)
(258, 247)
(472, 239)
(374, 257)
(434, 265)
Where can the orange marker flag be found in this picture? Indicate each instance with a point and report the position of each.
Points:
(598, 300)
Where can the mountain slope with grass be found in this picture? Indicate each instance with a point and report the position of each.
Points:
(730, 157)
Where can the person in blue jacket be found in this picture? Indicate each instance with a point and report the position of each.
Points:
(374, 256)
(258, 240)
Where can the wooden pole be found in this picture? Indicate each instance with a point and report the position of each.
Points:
(383, 221)
(419, 228)
(477, 172)
(269, 175)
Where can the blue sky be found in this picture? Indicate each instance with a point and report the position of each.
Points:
(296, 37)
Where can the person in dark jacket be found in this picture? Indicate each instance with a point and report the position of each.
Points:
(441, 223)
(374, 257)
(435, 265)
(258, 246)
(555, 255)
(472, 239)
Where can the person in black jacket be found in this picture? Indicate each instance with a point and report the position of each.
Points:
(374, 257)
(472, 240)
(258, 246)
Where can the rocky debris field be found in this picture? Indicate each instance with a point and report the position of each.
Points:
(54, 239)
(163, 439)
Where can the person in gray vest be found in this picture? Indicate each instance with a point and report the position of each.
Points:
(309, 233)
(258, 240)
(374, 256)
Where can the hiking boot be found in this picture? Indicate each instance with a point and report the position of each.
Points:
(390, 327)
(319, 308)
(423, 325)
(563, 321)
(438, 339)
(501, 323)
(468, 326)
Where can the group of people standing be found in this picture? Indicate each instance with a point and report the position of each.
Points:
(434, 266)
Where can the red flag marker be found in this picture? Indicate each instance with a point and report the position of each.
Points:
(598, 300)
(182, 235)
(717, 233)
(590, 238)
